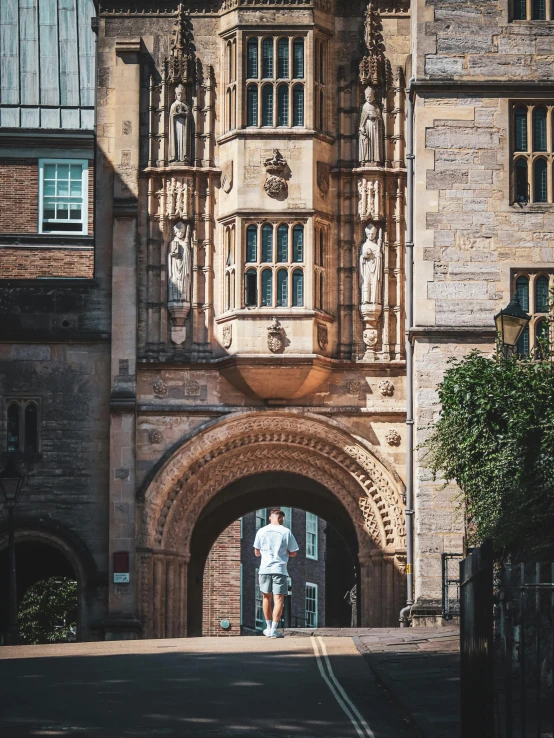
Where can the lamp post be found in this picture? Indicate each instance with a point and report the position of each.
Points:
(510, 324)
(11, 481)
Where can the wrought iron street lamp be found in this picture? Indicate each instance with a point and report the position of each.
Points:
(510, 324)
(11, 481)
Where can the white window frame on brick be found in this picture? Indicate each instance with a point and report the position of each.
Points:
(261, 519)
(83, 221)
(311, 607)
(312, 523)
(259, 620)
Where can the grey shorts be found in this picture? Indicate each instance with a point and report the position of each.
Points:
(274, 583)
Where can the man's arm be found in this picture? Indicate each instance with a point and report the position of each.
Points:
(292, 554)
(257, 552)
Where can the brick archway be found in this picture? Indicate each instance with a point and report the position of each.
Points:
(242, 446)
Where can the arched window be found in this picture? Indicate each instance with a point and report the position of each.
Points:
(539, 129)
(283, 105)
(252, 105)
(297, 288)
(229, 113)
(282, 243)
(538, 10)
(283, 58)
(227, 291)
(252, 59)
(267, 243)
(251, 288)
(321, 63)
(520, 9)
(298, 243)
(267, 297)
(321, 241)
(522, 291)
(13, 427)
(540, 181)
(298, 105)
(252, 243)
(267, 105)
(282, 288)
(321, 290)
(523, 343)
(520, 129)
(321, 111)
(542, 339)
(298, 58)
(31, 428)
(267, 58)
(541, 295)
(521, 182)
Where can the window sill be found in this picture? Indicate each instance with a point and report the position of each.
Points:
(46, 240)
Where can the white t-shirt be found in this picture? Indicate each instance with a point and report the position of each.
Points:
(274, 542)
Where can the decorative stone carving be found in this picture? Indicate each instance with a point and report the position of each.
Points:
(155, 436)
(275, 183)
(393, 438)
(386, 388)
(178, 198)
(180, 65)
(354, 387)
(371, 338)
(372, 131)
(372, 66)
(323, 176)
(227, 336)
(192, 388)
(322, 336)
(179, 128)
(275, 337)
(371, 200)
(227, 176)
(160, 388)
(371, 266)
(179, 276)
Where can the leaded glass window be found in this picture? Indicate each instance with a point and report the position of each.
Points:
(297, 288)
(252, 105)
(282, 288)
(520, 9)
(542, 342)
(283, 58)
(533, 155)
(520, 124)
(298, 105)
(22, 426)
(252, 59)
(267, 58)
(533, 291)
(522, 291)
(298, 243)
(251, 288)
(13, 427)
(252, 243)
(521, 181)
(267, 105)
(541, 294)
(282, 105)
(267, 284)
(539, 9)
(282, 243)
(540, 181)
(267, 243)
(523, 343)
(539, 129)
(298, 58)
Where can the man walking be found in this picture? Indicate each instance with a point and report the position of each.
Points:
(274, 543)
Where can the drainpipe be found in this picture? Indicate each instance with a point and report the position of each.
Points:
(405, 612)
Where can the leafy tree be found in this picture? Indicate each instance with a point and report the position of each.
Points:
(495, 439)
(48, 611)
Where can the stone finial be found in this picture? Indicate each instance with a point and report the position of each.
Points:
(386, 388)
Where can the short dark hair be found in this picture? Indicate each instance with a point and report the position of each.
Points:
(276, 510)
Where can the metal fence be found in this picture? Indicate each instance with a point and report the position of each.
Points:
(506, 647)
(450, 585)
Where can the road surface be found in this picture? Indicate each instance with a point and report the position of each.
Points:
(250, 686)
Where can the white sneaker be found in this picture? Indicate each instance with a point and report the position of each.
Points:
(267, 633)
(277, 634)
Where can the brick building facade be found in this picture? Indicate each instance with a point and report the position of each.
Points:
(242, 329)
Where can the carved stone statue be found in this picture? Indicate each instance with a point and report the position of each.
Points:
(371, 259)
(179, 266)
(372, 131)
(179, 128)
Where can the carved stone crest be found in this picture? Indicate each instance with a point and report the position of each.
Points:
(354, 387)
(322, 336)
(370, 337)
(393, 438)
(323, 174)
(275, 183)
(227, 336)
(227, 176)
(160, 388)
(386, 388)
(155, 436)
(178, 198)
(275, 337)
(192, 388)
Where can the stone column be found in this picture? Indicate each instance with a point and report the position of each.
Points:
(122, 607)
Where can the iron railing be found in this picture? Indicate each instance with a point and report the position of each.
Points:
(450, 584)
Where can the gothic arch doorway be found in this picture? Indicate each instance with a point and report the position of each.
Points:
(234, 464)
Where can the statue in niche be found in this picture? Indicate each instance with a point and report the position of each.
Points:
(179, 128)
(179, 266)
(371, 259)
(372, 131)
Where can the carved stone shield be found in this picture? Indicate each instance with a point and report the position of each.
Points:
(227, 176)
(322, 336)
(275, 337)
(227, 336)
(323, 174)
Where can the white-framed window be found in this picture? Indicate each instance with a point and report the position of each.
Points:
(311, 535)
(260, 518)
(287, 522)
(63, 196)
(311, 605)
(259, 620)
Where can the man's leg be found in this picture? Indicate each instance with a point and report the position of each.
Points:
(278, 604)
(266, 603)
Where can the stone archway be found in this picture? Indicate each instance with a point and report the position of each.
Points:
(244, 445)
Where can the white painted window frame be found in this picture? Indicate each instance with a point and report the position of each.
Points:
(315, 599)
(84, 195)
(314, 533)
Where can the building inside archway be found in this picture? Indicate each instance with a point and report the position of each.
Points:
(322, 577)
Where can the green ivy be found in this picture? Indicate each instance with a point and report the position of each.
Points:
(48, 611)
(495, 439)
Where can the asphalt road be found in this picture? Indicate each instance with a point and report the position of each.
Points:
(195, 687)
